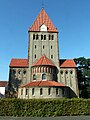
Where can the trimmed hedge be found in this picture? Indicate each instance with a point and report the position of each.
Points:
(44, 107)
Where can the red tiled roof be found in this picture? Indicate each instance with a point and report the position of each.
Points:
(3, 83)
(43, 61)
(43, 84)
(69, 64)
(19, 63)
(41, 19)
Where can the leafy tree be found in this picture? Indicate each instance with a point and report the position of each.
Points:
(83, 74)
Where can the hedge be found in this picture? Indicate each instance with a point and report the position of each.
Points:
(44, 107)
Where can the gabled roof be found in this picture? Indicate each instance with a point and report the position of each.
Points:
(43, 61)
(68, 64)
(19, 63)
(43, 84)
(3, 83)
(41, 19)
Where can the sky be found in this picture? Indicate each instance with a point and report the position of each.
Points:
(70, 17)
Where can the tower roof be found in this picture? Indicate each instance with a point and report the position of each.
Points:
(68, 63)
(43, 61)
(41, 19)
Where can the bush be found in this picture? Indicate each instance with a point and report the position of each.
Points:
(44, 107)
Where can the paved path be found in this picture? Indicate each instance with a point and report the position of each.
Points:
(47, 118)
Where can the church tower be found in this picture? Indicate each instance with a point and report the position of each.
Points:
(43, 40)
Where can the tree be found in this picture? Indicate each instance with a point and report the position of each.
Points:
(83, 74)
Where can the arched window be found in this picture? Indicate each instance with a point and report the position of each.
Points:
(27, 91)
(33, 36)
(44, 37)
(37, 37)
(34, 77)
(33, 91)
(49, 37)
(43, 76)
(35, 56)
(24, 72)
(41, 91)
(56, 91)
(49, 91)
(52, 37)
(41, 37)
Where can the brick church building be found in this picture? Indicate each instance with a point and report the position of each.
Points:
(43, 74)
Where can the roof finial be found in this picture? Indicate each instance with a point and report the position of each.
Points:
(43, 5)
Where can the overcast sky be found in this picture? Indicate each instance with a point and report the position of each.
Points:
(70, 17)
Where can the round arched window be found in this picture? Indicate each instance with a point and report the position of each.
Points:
(66, 72)
(61, 72)
(43, 76)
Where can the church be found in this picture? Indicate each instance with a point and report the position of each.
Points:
(43, 74)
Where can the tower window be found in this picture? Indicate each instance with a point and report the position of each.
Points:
(35, 56)
(43, 46)
(35, 46)
(41, 91)
(43, 76)
(52, 37)
(44, 37)
(49, 37)
(37, 37)
(51, 46)
(33, 36)
(41, 37)
(51, 56)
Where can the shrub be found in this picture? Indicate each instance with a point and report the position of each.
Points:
(44, 107)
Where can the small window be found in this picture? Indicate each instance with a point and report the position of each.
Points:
(41, 91)
(37, 37)
(44, 37)
(14, 71)
(35, 56)
(33, 36)
(51, 46)
(27, 91)
(34, 77)
(35, 46)
(49, 37)
(52, 37)
(51, 56)
(66, 72)
(56, 91)
(49, 91)
(43, 76)
(41, 37)
(19, 72)
(33, 91)
(61, 72)
(24, 72)
(43, 46)
(71, 72)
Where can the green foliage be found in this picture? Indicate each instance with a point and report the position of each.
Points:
(83, 74)
(44, 107)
